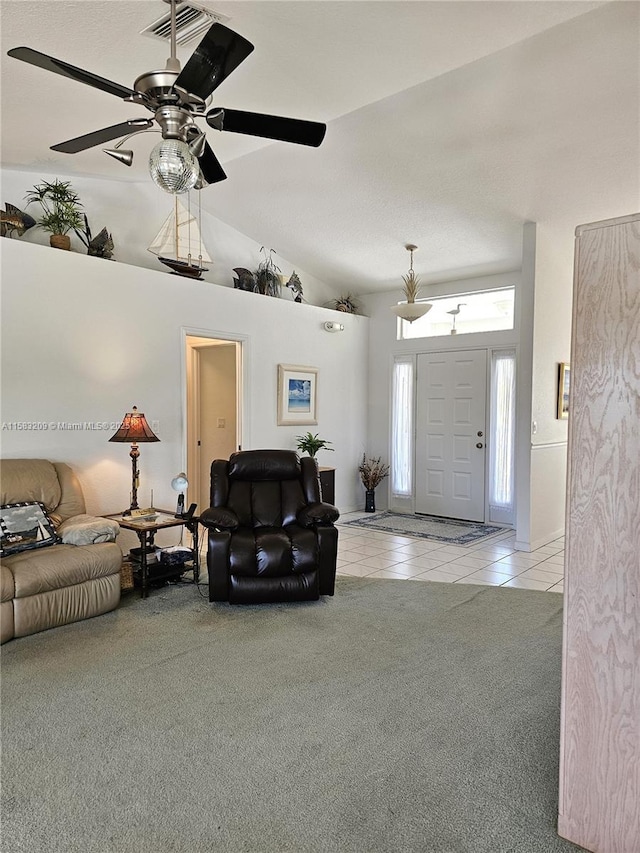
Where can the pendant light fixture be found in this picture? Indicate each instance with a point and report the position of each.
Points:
(411, 310)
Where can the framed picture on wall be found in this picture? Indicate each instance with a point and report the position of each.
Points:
(297, 395)
(564, 380)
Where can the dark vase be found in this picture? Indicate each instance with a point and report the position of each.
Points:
(370, 501)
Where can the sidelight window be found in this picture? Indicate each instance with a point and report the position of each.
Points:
(502, 444)
(402, 429)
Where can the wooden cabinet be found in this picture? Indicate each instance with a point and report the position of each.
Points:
(328, 485)
(600, 729)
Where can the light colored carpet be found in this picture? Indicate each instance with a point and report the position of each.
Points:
(447, 530)
(397, 716)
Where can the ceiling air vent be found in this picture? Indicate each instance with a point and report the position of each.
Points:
(192, 22)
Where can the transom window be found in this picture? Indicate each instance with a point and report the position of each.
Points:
(462, 314)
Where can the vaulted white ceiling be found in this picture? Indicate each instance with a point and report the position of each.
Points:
(449, 123)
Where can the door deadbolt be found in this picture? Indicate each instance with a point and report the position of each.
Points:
(479, 445)
(480, 433)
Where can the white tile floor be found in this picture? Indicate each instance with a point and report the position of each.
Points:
(492, 562)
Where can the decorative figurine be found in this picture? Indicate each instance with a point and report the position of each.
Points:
(295, 286)
(12, 219)
(98, 247)
(245, 280)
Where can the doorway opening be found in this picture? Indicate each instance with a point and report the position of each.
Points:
(214, 408)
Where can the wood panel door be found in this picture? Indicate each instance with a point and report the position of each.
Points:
(450, 434)
(600, 726)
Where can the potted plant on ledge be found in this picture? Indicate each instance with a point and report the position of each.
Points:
(61, 207)
(311, 444)
(372, 473)
(266, 276)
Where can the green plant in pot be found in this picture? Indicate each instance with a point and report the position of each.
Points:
(372, 472)
(62, 210)
(311, 444)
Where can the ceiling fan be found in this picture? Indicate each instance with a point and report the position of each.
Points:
(177, 97)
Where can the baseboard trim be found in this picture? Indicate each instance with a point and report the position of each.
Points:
(538, 543)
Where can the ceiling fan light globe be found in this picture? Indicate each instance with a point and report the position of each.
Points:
(173, 167)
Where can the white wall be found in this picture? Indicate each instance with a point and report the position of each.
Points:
(552, 328)
(523, 388)
(547, 260)
(134, 212)
(84, 339)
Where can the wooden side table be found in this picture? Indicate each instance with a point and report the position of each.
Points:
(146, 531)
(328, 485)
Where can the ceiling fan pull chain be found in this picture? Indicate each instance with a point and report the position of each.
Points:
(176, 225)
(200, 226)
(189, 228)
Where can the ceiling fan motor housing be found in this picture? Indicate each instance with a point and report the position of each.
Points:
(172, 105)
(157, 87)
(175, 122)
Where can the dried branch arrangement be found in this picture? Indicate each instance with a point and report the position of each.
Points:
(372, 472)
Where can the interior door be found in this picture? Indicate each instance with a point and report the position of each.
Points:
(450, 434)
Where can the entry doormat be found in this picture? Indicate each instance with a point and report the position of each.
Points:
(428, 527)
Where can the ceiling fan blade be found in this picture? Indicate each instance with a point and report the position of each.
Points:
(218, 54)
(106, 134)
(210, 167)
(270, 127)
(57, 66)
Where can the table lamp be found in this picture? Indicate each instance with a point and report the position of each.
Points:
(180, 484)
(134, 430)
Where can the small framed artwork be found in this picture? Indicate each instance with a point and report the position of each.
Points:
(297, 395)
(564, 380)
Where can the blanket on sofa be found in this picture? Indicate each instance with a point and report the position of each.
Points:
(88, 530)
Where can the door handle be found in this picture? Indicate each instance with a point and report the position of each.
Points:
(479, 445)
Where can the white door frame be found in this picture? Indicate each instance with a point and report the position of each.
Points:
(243, 398)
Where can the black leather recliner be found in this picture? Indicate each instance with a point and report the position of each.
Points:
(270, 536)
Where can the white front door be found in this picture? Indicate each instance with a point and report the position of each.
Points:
(450, 434)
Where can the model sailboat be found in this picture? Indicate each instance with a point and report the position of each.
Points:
(178, 244)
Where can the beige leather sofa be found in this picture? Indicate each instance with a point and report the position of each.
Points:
(60, 583)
